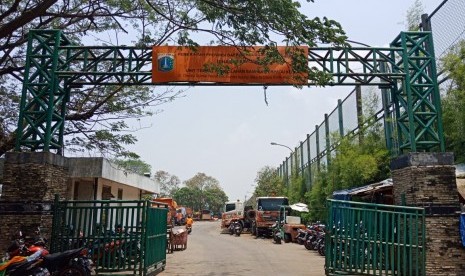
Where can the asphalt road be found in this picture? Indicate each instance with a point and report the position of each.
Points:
(211, 253)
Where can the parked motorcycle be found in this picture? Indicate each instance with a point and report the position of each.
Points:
(23, 245)
(231, 228)
(321, 245)
(24, 266)
(39, 262)
(237, 228)
(314, 237)
(71, 262)
(276, 233)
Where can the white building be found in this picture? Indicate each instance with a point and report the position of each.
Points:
(97, 179)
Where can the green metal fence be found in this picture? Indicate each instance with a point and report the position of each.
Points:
(123, 237)
(374, 239)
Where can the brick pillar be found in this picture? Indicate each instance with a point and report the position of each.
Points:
(30, 182)
(428, 180)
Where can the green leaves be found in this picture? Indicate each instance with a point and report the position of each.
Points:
(94, 114)
(268, 183)
(134, 165)
(453, 102)
(169, 184)
(201, 192)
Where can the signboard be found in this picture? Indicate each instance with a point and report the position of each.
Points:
(183, 64)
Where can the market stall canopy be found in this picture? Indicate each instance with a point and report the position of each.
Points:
(301, 207)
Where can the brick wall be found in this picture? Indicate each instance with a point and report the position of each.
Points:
(428, 180)
(425, 185)
(445, 254)
(30, 178)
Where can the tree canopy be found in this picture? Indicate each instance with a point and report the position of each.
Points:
(169, 184)
(453, 102)
(201, 192)
(269, 183)
(133, 165)
(96, 116)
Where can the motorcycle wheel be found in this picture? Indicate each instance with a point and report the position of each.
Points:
(276, 238)
(73, 270)
(321, 250)
(238, 231)
(308, 245)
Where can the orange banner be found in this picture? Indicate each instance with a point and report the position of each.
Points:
(182, 64)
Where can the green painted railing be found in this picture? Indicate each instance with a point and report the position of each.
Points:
(374, 239)
(123, 237)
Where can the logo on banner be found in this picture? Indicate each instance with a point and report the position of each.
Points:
(165, 62)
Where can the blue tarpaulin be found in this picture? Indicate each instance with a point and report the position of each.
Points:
(462, 228)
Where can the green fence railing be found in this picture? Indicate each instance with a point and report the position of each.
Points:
(123, 237)
(374, 239)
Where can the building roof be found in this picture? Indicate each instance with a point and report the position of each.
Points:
(368, 189)
(100, 167)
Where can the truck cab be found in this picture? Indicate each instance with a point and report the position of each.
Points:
(233, 210)
(266, 214)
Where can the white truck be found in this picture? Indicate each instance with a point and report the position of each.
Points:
(233, 210)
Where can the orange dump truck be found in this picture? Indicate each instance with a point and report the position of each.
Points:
(172, 205)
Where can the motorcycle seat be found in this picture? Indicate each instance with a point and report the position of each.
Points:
(57, 257)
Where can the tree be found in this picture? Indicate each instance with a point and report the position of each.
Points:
(201, 192)
(188, 197)
(453, 102)
(414, 16)
(202, 182)
(356, 162)
(169, 184)
(268, 183)
(133, 165)
(215, 198)
(316, 198)
(296, 188)
(96, 116)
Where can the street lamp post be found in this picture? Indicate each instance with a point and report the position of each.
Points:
(281, 145)
(276, 144)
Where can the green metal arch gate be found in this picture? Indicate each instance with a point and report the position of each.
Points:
(407, 68)
(54, 66)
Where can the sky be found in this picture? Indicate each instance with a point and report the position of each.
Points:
(225, 132)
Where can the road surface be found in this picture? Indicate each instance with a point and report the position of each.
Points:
(210, 253)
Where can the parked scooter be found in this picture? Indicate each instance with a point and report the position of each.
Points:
(71, 262)
(314, 236)
(321, 245)
(40, 262)
(24, 266)
(235, 227)
(276, 233)
(301, 235)
(23, 245)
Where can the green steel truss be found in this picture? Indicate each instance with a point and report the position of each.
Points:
(53, 66)
(416, 99)
(43, 102)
